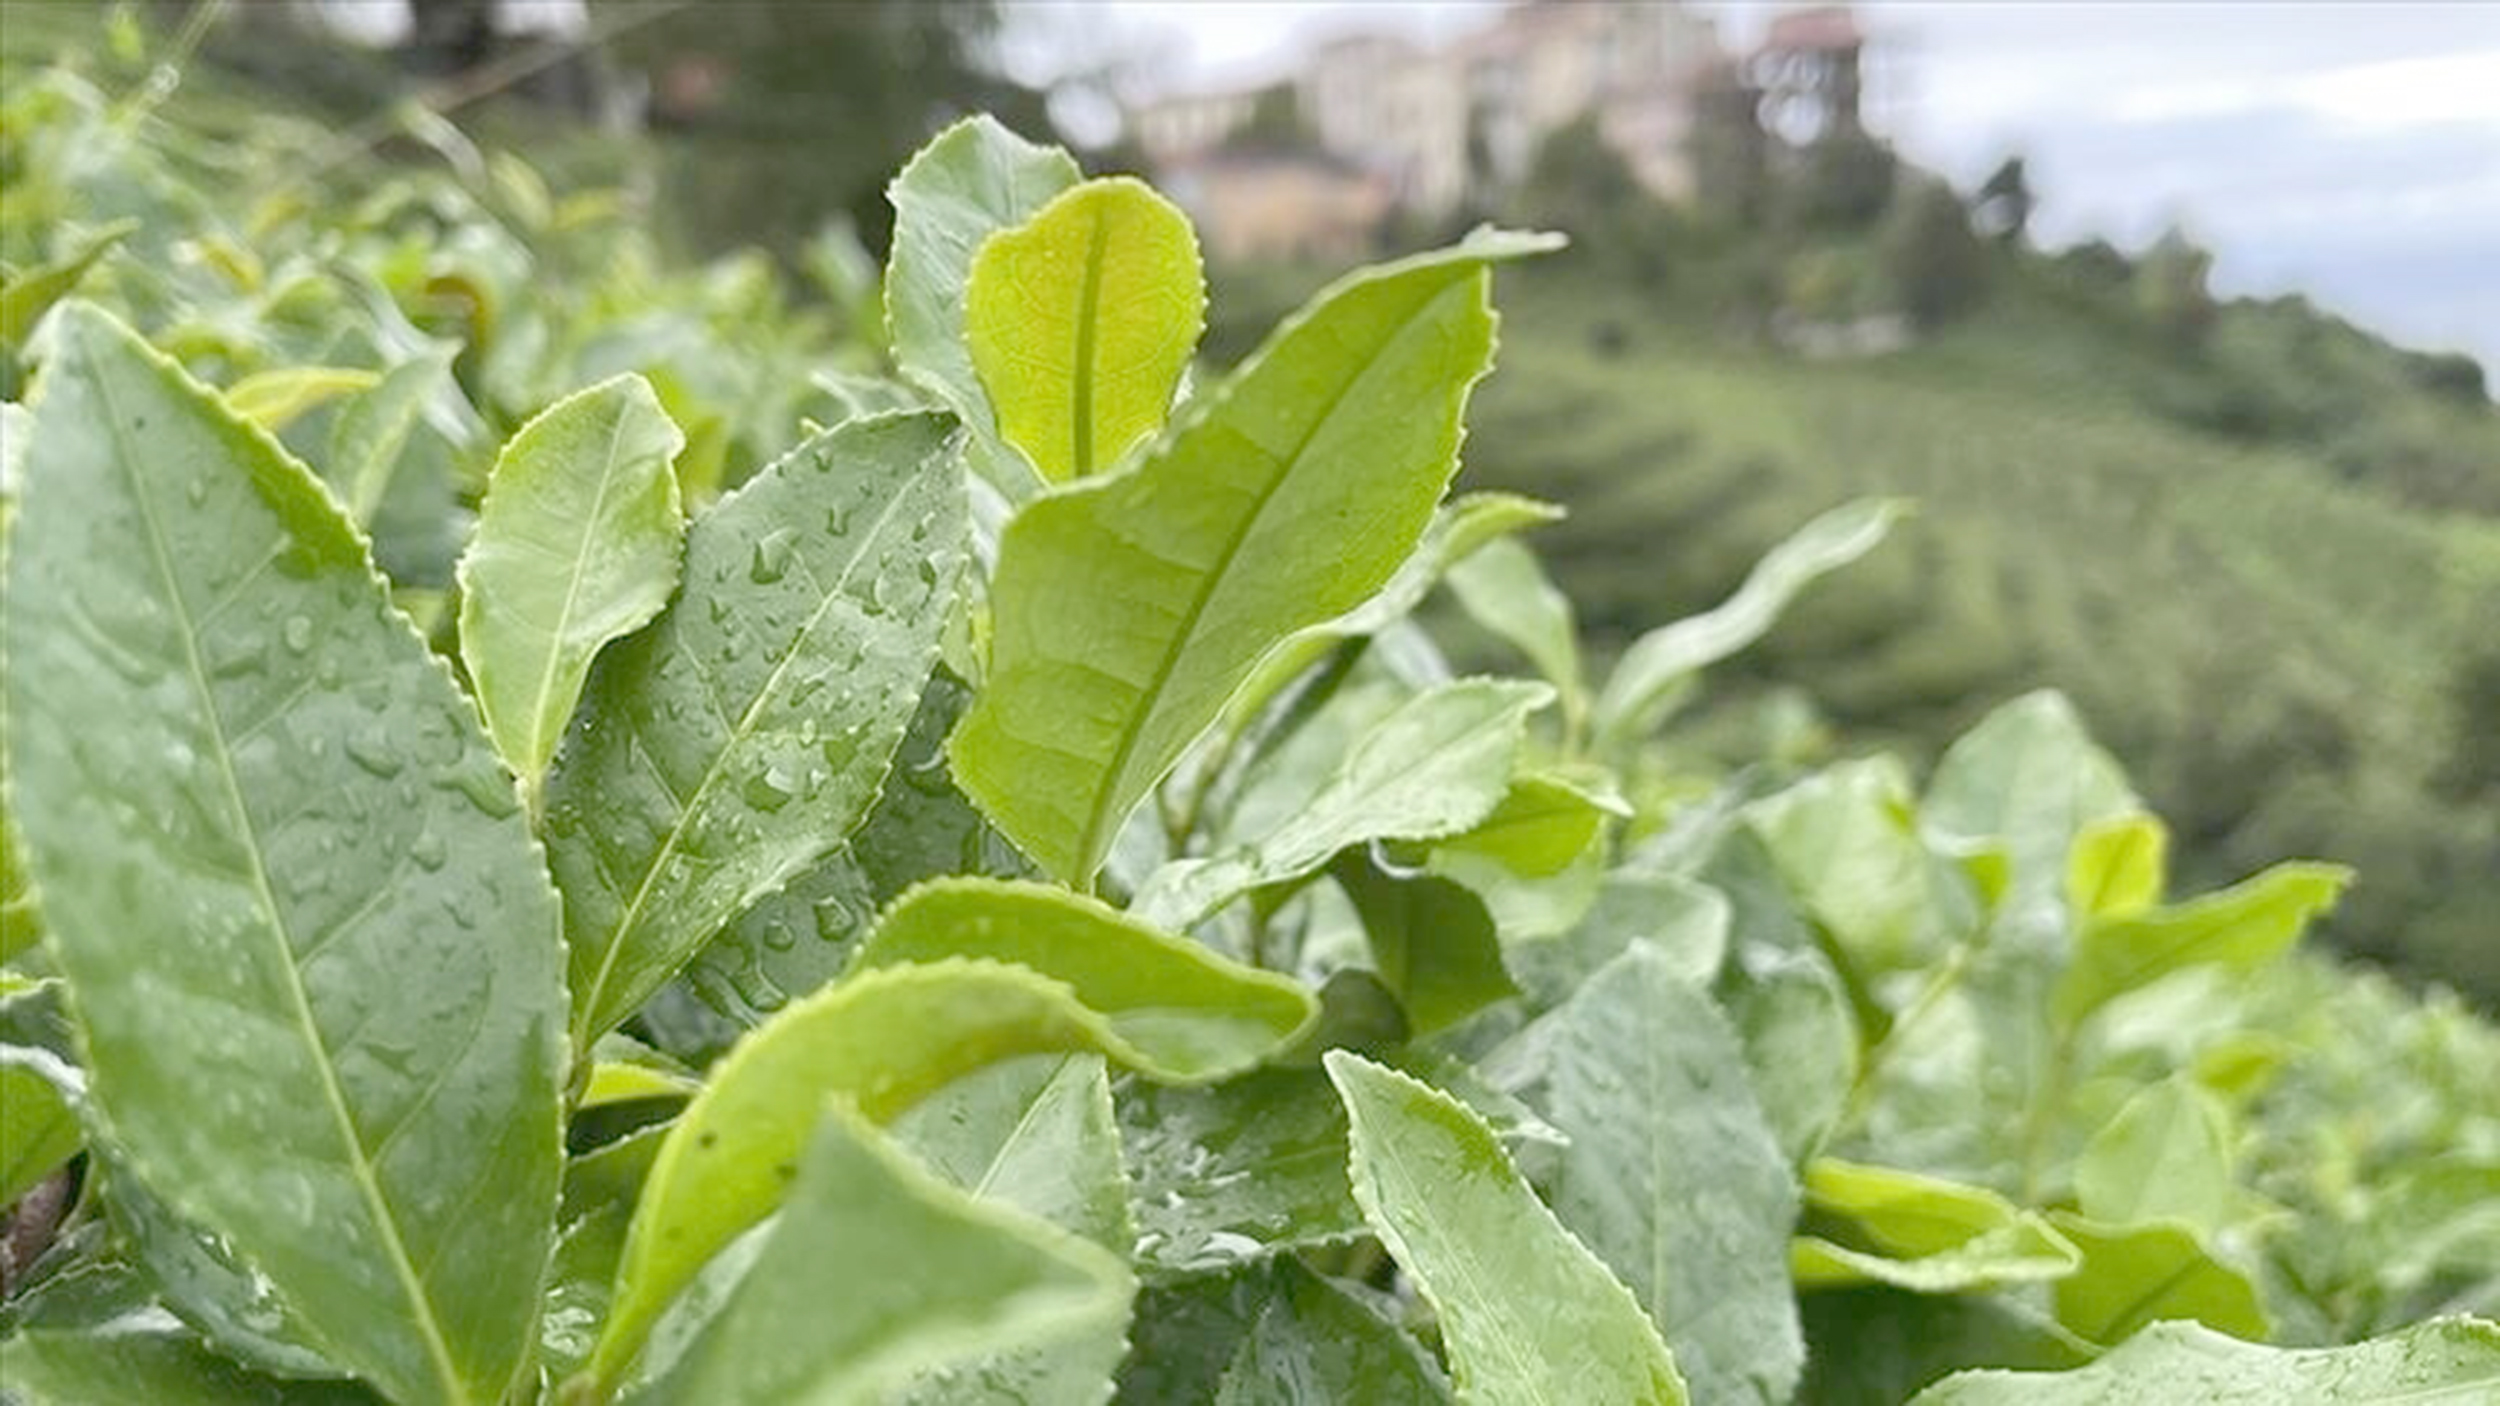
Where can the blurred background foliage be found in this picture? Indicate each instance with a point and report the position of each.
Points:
(2258, 546)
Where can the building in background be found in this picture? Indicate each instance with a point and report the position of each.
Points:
(1456, 127)
(1809, 68)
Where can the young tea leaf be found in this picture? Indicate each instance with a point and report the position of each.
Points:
(1191, 1011)
(275, 399)
(884, 1038)
(971, 181)
(2028, 778)
(1435, 766)
(735, 742)
(1081, 320)
(2118, 867)
(1885, 1226)
(949, 1279)
(27, 295)
(349, 1063)
(1506, 590)
(1528, 1314)
(1462, 526)
(2135, 1275)
(1036, 1134)
(576, 545)
(1645, 681)
(2166, 1155)
(2239, 928)
(1130, 608)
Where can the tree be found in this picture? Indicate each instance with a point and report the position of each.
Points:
(780, 116)
(1845, 181)
(2005, 202)
(1580, 183)
(1937, 263)
(2170, 289)
(1731, 153)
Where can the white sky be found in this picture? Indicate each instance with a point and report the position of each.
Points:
(2350, 151)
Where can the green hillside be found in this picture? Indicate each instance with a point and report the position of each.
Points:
(2275, 646)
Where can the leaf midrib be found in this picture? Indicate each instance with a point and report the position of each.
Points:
(367, 1181)
(538, 721)
(712, 771)
(1461, 1263)
(1088, 312)
(1090, 840)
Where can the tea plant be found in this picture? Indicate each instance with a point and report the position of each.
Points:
(1119, 960)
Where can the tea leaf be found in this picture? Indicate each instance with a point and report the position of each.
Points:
(971, 181)
(1506, 590)
(577, 544)
(885, 1039)
(1081, 320)
(1037, 1134)
(1129, 608)
(1527, 1313)
(349, 1066)
(1275, 1330)
(735, 742)
(148, 1358)
(1658, 664)
(953, 1277)
(1886, 1226)
(1462, 526)
(2134, 1275)
(2028, 779)
(2182, 1364)
(1673, 1178)
(1431, 939)
(1193, 1013)
(1438, 764)
(2166, 1154)
(2239, 928)
(38, 1132)
(1236, 1172)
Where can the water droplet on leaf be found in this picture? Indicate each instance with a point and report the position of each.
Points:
(772, 556)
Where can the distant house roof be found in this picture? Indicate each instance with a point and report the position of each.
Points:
(1825, 27)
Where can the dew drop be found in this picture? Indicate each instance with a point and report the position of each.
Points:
(297, 632)
(772, 788)
(836, 920)
(429, 851)
(197, 490)
(371, 749)
(489, 790)
(772, 556)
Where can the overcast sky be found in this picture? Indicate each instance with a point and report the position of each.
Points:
(2350, 151)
